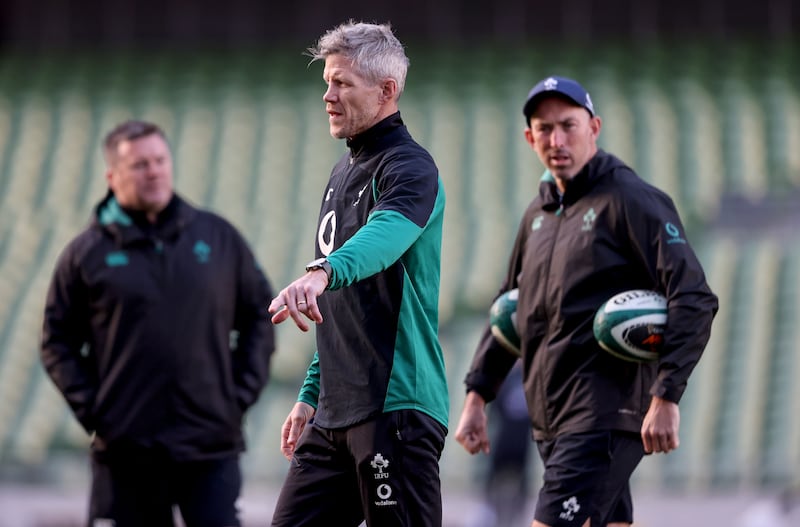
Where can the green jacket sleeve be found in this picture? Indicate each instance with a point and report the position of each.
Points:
(376, 246)
(309, 392)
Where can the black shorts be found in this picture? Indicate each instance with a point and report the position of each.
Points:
(384, 470)
(141, 487)
(588, 475)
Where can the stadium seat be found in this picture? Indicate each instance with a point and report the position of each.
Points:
(780, 448)
(251, 141)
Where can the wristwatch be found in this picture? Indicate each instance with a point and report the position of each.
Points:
(320, 263)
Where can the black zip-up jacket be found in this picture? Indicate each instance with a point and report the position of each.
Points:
(380, 226)
(610, 232)
(157, 335)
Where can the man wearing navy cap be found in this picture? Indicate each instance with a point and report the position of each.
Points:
(563, 87)
(595, 229)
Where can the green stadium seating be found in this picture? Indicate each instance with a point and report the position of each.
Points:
(780, 449)
(251, 142)
(706, 394)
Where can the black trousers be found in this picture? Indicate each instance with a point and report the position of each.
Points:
(384, 470)
(140, 489)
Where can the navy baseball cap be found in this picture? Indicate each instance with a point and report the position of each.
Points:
(559, 86)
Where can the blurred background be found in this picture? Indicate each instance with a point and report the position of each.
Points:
(701, 97)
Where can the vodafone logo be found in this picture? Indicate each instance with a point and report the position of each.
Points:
(327, 233)
(384, 491)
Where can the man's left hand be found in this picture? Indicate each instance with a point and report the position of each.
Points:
(660, 426)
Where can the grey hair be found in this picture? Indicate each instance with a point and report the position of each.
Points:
(372, 48)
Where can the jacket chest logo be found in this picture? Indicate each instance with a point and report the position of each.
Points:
(117, 259)
(537, 223)
(588, 220)
(326, 233)
(202, 251)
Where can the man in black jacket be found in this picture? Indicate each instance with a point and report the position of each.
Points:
(155, 332)
(595, 229)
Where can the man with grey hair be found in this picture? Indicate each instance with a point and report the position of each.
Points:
(366, 434)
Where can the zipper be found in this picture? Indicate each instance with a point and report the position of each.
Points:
(543, 394)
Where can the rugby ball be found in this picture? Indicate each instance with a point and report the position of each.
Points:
(503, 320)
(630, 325)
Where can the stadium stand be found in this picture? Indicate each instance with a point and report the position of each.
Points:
(704, 395)
(250, 141)
(780, 452)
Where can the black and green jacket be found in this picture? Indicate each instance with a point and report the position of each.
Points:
(138, 329)
(380, 226)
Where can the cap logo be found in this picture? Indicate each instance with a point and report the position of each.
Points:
(550, 83)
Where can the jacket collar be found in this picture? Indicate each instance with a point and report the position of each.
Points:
(578, 186)
(366, 140)
(128, 225)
